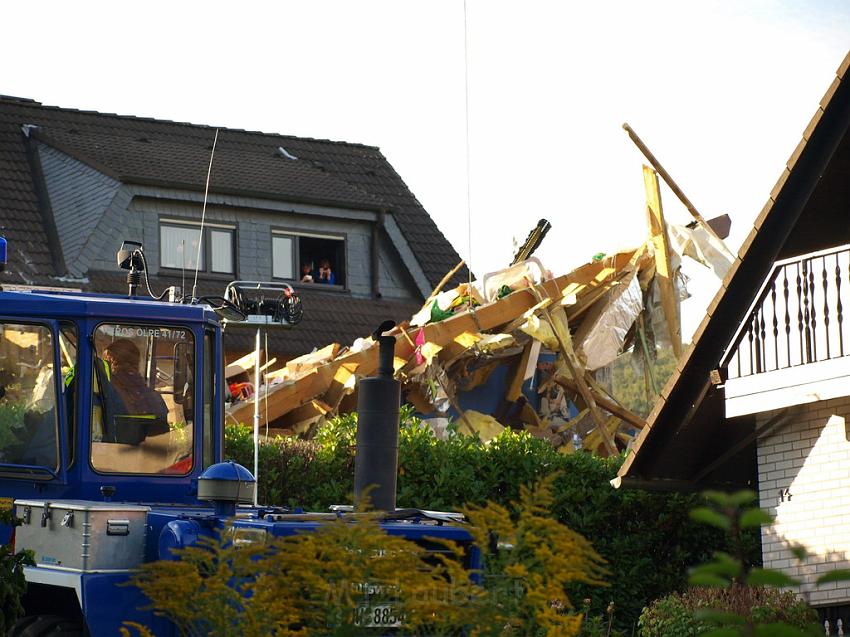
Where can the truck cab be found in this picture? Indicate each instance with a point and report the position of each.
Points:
(110, 407)
(111, 446)
(107, 397)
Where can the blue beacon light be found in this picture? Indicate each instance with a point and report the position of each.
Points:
(2, 254)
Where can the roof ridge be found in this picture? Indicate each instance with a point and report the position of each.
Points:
(31, 103)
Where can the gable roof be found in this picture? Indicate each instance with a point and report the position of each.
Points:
(688, 442)
(159, 152)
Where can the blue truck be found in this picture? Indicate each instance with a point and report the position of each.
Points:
(111, 447)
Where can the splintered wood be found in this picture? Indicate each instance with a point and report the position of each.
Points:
(438, 361)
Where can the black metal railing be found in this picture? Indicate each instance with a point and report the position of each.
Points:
(798, 317)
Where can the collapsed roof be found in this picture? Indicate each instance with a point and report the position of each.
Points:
(458, 337)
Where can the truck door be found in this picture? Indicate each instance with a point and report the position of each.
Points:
(31, 408)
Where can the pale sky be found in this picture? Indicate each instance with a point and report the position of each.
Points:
(720, 91)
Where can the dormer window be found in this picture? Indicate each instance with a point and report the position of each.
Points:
(309, 258)
(178, 246)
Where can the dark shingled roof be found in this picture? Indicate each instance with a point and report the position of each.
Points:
(158, 152)
(329, 317)
(20, 218)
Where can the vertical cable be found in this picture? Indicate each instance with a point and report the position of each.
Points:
(203, 216)
(468, 172)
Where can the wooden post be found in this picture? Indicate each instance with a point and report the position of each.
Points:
(646, 360)
(621, 412)
(668, 179)
(442, 283)
(663, 271)
(573, 366)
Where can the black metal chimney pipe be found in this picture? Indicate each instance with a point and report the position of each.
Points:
(378, 402)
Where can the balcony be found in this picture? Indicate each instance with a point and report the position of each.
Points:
(794, 346)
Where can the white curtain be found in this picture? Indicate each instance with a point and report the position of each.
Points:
(282, 257)
(178, 247)
(221, 246)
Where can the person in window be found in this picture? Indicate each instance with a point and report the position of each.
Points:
(326, 275)
(307, 272)
(138, 397)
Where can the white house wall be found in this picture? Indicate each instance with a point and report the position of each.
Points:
(804, 480)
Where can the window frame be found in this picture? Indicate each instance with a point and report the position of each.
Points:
(93, 353)
(206, 242)
(295, 234)
(71, 420)
(209, 373)
(56, 472)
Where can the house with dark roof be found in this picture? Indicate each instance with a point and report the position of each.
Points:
(761, 399)
(74, 184)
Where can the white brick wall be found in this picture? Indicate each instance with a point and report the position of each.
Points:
(811, 459)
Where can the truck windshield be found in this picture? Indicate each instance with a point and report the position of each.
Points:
(143, 399)
(28, 422)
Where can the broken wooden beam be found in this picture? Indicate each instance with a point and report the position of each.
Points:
(664, 275)
(573, 366)
(668, 179)
(606, 403)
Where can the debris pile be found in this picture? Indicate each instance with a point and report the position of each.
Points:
(531, 346)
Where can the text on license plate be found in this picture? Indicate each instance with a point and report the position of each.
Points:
(377, 616)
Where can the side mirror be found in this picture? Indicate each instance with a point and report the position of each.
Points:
(181, 371)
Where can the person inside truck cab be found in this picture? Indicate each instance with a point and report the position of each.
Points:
(122, 356)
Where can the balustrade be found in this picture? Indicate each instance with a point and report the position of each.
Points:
(798, 317)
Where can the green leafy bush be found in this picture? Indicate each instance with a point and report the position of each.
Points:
(731, 597)
(13, 585)
(647, 538)
(675, 615)
(11, 420)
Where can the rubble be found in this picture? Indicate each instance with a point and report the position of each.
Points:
(511, 320)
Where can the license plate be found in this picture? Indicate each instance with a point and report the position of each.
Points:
(377, 616)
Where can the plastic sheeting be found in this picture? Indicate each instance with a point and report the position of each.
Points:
(522, 275)
(600, 340)
(448, 301)
(702, 246)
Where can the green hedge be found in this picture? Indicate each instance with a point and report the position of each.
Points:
(647, 537)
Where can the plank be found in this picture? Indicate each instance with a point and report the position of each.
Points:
(606, 403)
(663, 271)
(577, 372)
(518, 372)
(290, 395)
(245, 365)
(313, 358)
(305, 413)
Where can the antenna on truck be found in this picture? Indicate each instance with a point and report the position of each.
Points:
(2, 257)
(203, 216)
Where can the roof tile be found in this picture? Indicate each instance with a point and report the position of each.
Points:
(177, 154)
